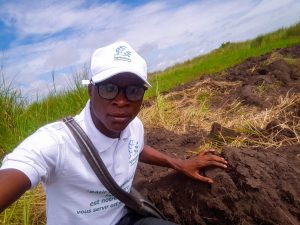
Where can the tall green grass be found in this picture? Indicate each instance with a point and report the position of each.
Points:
(12, 106)
(18, 119)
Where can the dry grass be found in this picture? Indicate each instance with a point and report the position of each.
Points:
(177, 111)
(285, 119)
(189, 107)
(29, 209)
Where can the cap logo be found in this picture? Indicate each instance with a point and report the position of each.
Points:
(122, 54)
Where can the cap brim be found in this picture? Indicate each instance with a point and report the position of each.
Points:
(115, 71)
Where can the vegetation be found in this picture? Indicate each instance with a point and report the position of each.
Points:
(180, 110)
(173, 111)
(229, 54)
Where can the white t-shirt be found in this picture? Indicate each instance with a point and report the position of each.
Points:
(74, 194)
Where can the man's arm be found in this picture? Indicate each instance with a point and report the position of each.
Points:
(13, 184)
(190, 167)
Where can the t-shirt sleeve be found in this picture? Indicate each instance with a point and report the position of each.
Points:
(37, 157)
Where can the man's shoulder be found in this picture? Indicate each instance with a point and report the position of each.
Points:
(55, 128)
(47, 135)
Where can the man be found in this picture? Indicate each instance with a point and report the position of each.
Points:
(116, 86)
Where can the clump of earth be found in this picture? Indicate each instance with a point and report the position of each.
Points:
(261, 185)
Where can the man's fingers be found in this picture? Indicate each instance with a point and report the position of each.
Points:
(212, 160)
(214, 163)
(208, 151)
(204, 179)
(216, 158)
(205, 160)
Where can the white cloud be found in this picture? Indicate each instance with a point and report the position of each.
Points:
(40, 17)
(66, 32)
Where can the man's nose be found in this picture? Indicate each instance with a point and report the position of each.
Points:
(121, 99)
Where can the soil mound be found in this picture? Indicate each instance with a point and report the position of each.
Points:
(260, 186)
(251, 191)
(276, 73)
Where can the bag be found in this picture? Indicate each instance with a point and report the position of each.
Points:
(133, 200)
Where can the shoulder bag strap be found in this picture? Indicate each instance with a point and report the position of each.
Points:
(92, 156)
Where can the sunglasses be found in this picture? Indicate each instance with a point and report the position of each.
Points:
(110, 91)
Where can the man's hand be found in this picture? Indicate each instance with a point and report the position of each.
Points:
(192, 167)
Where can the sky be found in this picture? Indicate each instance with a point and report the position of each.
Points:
(40, 40)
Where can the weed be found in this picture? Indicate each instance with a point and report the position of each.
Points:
(261, 88)
(204, 100)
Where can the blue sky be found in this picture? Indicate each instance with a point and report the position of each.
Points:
(39, 37)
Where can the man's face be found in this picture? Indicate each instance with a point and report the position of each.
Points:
(113, 116)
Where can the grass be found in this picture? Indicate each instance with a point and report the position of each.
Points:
(204, 101)
(227, 55)
(12, 105)
(174, 111)
(249, 121)
(19, 120)
(30, 209)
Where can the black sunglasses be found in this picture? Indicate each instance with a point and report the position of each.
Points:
(110, 91)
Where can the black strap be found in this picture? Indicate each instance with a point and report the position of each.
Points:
(134, 202)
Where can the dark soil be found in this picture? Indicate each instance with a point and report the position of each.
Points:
(258, 81)
(260, 186)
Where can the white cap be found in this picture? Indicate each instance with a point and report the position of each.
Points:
(113, 59)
